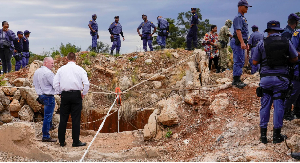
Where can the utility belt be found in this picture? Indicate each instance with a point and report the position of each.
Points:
(146, 37)
(94, 33)
(112, 39)
(223, 44)
(28, 54)
(4, 43)
(162, 33)
(18, 56)
(72, 91)
(237, 41)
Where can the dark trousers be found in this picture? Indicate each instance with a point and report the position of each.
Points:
(5, 55)
(71, 103)
(216, 62)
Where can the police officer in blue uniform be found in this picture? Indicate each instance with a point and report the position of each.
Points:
(94, 31)
(115, 29)
(192, 35)
(255, 37)
(146, 35)
(20, 59)
(290, 28)
(274, 54)
(163, 26)
(26, 53)
(239, 43)
(295, 95)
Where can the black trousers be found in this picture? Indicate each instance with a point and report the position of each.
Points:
(216, 62)
(5, 55)
(71, 103)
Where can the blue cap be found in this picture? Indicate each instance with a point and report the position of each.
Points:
(275, 25)
(293, 16)
(254, 26)
(193, 9)
(143, 15)
(94, 15)
(243, 3)
(26, 32)
(19, 32)
(116, 17)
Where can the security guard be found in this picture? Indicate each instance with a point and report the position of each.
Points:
(115, 29)
(20, 59)
(94, 31)
(163, 26)
(295, 95)
(146, 35)
(274, 53)
(290, 28)
(255, 37)
(192, 35)
(26, 46)
(224, 39)
(239, 43)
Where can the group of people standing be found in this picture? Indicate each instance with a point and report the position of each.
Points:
(12, 45)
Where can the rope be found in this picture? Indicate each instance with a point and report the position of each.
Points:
(101, 126)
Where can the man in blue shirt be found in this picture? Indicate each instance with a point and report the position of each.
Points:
(115, 29)
(26, 53)
(193, 31)
(274, 54)
(20, 59)
(239, 43)
(290, 28)
(163, 26)
(146, 35)
(295, 95)
(255, 37)
(94, 31)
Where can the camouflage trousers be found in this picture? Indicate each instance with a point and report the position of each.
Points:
(223, 61)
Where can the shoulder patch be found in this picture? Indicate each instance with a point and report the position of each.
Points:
(91, 20)
(296, 33)
(152, 22)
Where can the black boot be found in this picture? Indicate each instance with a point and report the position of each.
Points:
(162, 47)
(218, 70)
(296, 112)
(238, 83)
(223, 69)
(117, 52)
(93, 49)
(288, 114)
(111, 52)
(263, 135)
(277, 136)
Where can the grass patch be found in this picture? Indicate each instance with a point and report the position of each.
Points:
(2, 82)
(169, 133)
(127, 111)
(93, 54)
(87, 61)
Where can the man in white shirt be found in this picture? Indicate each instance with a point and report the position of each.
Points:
(43, 83)
(69, 80)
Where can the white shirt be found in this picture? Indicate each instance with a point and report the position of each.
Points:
(71, 77)
(43, 81)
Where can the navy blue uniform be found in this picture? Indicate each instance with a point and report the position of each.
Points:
(255, 37)
(288, 32)
(146, 31)
(20, 59)
(192, 35)
(116, 29)
(26, 49)
(163, 25)
(94, 35)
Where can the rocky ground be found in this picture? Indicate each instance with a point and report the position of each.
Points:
(187, 121)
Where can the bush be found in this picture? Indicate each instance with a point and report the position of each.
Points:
(66, 49)
(2, 82)
(169, 133)
(93, 54)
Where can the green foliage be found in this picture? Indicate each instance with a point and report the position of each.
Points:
(93, 54)
(101, 47)
(168, 54)
(132, 59)
(66, 49)
(84, 55)
(229, 49)
(38, 57)
(2, 82)
(298, 14)
(54, 53)
(169, 133)
(13, 61)
(87, 61)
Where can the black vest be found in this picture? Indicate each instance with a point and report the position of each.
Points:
(277, 51)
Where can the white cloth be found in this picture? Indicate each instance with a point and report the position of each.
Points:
(71, 77)
(43, 81)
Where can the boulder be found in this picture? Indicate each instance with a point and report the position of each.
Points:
(30, 97)
(2, 108)
(156, 77)
(17, 95)
(294, 142)
(104, 70)
(57, 100)
(220, 103)
(175, 55)
(26, 113)
(3, 99)
(9, 91)
(36, 64)
(148, 61)
(125, 83)
(168, 115)
(223, 80)
(22, 101)
(22, 82)
(6, 117)
(151, 128)
(157, 84)
(14, 108)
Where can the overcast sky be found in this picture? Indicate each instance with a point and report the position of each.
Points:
(62, 21)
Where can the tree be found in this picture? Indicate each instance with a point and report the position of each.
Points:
(101, 47)
(298, 14)
(66, 49)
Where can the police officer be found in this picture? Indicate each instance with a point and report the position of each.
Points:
(94, 31)
(274, 53)
(290, 28)
(20, 59)
(146, 35)
(26, 46)
(239, 43)
(163, 26)
(224, 39)
(295, 95)
(192, 35)
(255, 37)
(115, 29)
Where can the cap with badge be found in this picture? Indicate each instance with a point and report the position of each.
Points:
(243, 3)
(293, 16)
(193, 9)
(26, 32)
(19, 32)
(94, 15)
(144, 15)
(274, 25)
(254, 26)
(116, 17)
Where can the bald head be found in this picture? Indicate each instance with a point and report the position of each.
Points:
(48, 62)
